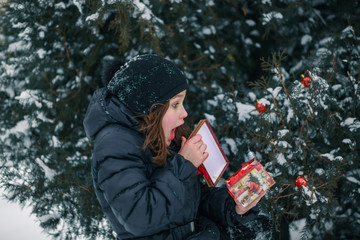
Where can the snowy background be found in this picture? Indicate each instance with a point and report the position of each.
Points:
(17, 223)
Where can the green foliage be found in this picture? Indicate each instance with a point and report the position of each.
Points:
(51, 54)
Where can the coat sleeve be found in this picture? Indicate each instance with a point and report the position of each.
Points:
(219, 206)
(145, 204)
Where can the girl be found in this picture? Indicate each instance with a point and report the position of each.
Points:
(144, 169)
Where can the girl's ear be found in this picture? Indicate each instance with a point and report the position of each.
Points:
(109, 69)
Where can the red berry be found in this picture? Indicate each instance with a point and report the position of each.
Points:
(301, 181)
(306, 81)
(260, 108)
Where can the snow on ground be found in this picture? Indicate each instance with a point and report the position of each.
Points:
(17, 224)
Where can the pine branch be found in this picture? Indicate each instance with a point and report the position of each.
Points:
(261, 84)
(268, 65)
(282, 81)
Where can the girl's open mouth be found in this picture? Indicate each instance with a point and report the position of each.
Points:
(172, 134)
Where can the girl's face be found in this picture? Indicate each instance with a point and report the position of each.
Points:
(174, 116)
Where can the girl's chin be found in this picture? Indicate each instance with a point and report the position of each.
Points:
(168, 142)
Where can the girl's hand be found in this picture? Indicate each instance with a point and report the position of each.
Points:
(194, 150)
(240, 210)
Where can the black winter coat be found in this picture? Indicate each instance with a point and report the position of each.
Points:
(141, 199)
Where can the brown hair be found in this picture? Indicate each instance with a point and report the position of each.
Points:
(151, 126)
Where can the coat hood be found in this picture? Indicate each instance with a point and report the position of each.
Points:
(105, 109)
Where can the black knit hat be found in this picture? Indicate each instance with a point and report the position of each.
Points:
(145, 80)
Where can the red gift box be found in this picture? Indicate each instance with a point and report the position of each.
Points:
(250, 183)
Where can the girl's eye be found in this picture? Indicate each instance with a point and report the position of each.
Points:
(175, 105)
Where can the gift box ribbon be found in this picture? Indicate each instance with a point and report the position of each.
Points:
(202, 171)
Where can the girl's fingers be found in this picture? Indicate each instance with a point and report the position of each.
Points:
(205, 156)
(194, 149)
(183, 141)
(203, 147)
(196, 138)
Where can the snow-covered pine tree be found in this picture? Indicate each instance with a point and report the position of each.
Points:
(311, 128)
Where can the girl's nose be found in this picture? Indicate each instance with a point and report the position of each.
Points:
(183, 113)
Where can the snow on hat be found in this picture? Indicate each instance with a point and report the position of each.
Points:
(145, 80)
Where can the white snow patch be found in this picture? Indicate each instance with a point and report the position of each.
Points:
(49, 173)
(248, 41)
(280, 159)
(21, 127)
(352, 123)
(290, 115)
(244, 111)
(146, 13)
(309, 195)
(48, 217)
(42, 117)
(348, 32)
(92, 17)
(9, 164)
(31, 97)
(353, 180)
(78, 4)
(208, 3)
(60, 5)
(252, 96)
(336, 87)
(323, 52)
(210, 118)
(271, 117)
(55, 142)
(274, 92)
(281, 133)
(209, 30)
(305, 39)
(41, 53)
(250, 22)
(326, 40)
(319, 171)
(10, 70)
(331, 157)
(231, 142)
(283, 144)
(81, 142)
(264, 102)
(267, 17)
(19, 46)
